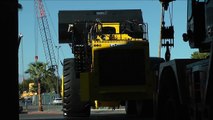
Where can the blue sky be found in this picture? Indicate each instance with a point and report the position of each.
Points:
(151, 10)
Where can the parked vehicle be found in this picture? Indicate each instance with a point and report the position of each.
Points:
(57, 101)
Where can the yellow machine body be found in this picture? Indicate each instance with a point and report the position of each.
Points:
(115, 51)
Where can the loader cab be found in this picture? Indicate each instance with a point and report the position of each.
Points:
(105, 31)
(108, 30)
(133, 28)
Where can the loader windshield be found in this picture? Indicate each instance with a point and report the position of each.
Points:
(108, 30)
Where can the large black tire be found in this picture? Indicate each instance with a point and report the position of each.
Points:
(207, 113)
(145, 108)
(72, 106)
(130, 107)
(168, 101)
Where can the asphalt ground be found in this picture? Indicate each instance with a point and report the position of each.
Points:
(33, 109)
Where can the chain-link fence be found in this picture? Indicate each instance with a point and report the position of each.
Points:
(47, 98)
(31, 104)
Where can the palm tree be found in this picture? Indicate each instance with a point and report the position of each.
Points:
(38, 71)
(50, 81)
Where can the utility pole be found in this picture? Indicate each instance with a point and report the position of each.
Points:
(57, 83)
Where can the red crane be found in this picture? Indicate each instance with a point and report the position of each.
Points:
(46, 37)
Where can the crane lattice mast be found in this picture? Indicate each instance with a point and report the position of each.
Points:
(45, 34)
(46, 38)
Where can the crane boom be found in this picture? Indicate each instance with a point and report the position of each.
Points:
(45, 34)
(46, 38)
